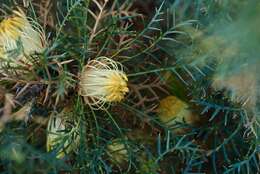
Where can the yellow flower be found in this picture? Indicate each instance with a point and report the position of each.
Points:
(172, 110)
(117, 151)
(55, 132)
(16, 31)
(103, 80)
(57, 138)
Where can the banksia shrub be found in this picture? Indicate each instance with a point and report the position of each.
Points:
(114, 86)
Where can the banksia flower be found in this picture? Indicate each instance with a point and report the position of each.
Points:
(19, 34)
(103, 81)
(173, 110)
(57, 134)
(56, 130)
(117, 151)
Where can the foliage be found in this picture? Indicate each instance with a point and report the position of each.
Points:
(179, 49)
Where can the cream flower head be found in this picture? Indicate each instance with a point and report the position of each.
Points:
(58, 135)
(117, 151)
(103, 81)
(16, 30)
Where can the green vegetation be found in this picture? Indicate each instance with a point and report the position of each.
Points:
(84, 86)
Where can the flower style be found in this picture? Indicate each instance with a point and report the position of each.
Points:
(103, 81)
(19, 34)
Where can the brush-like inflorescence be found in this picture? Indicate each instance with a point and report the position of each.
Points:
(172, 110)
(57, 132)
(103, 81)
(20, 36)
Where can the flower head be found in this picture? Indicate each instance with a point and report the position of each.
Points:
(172, 110)
(60, 138)
(56, 129)
(117, 151)
(102, 81)
(19, 34)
